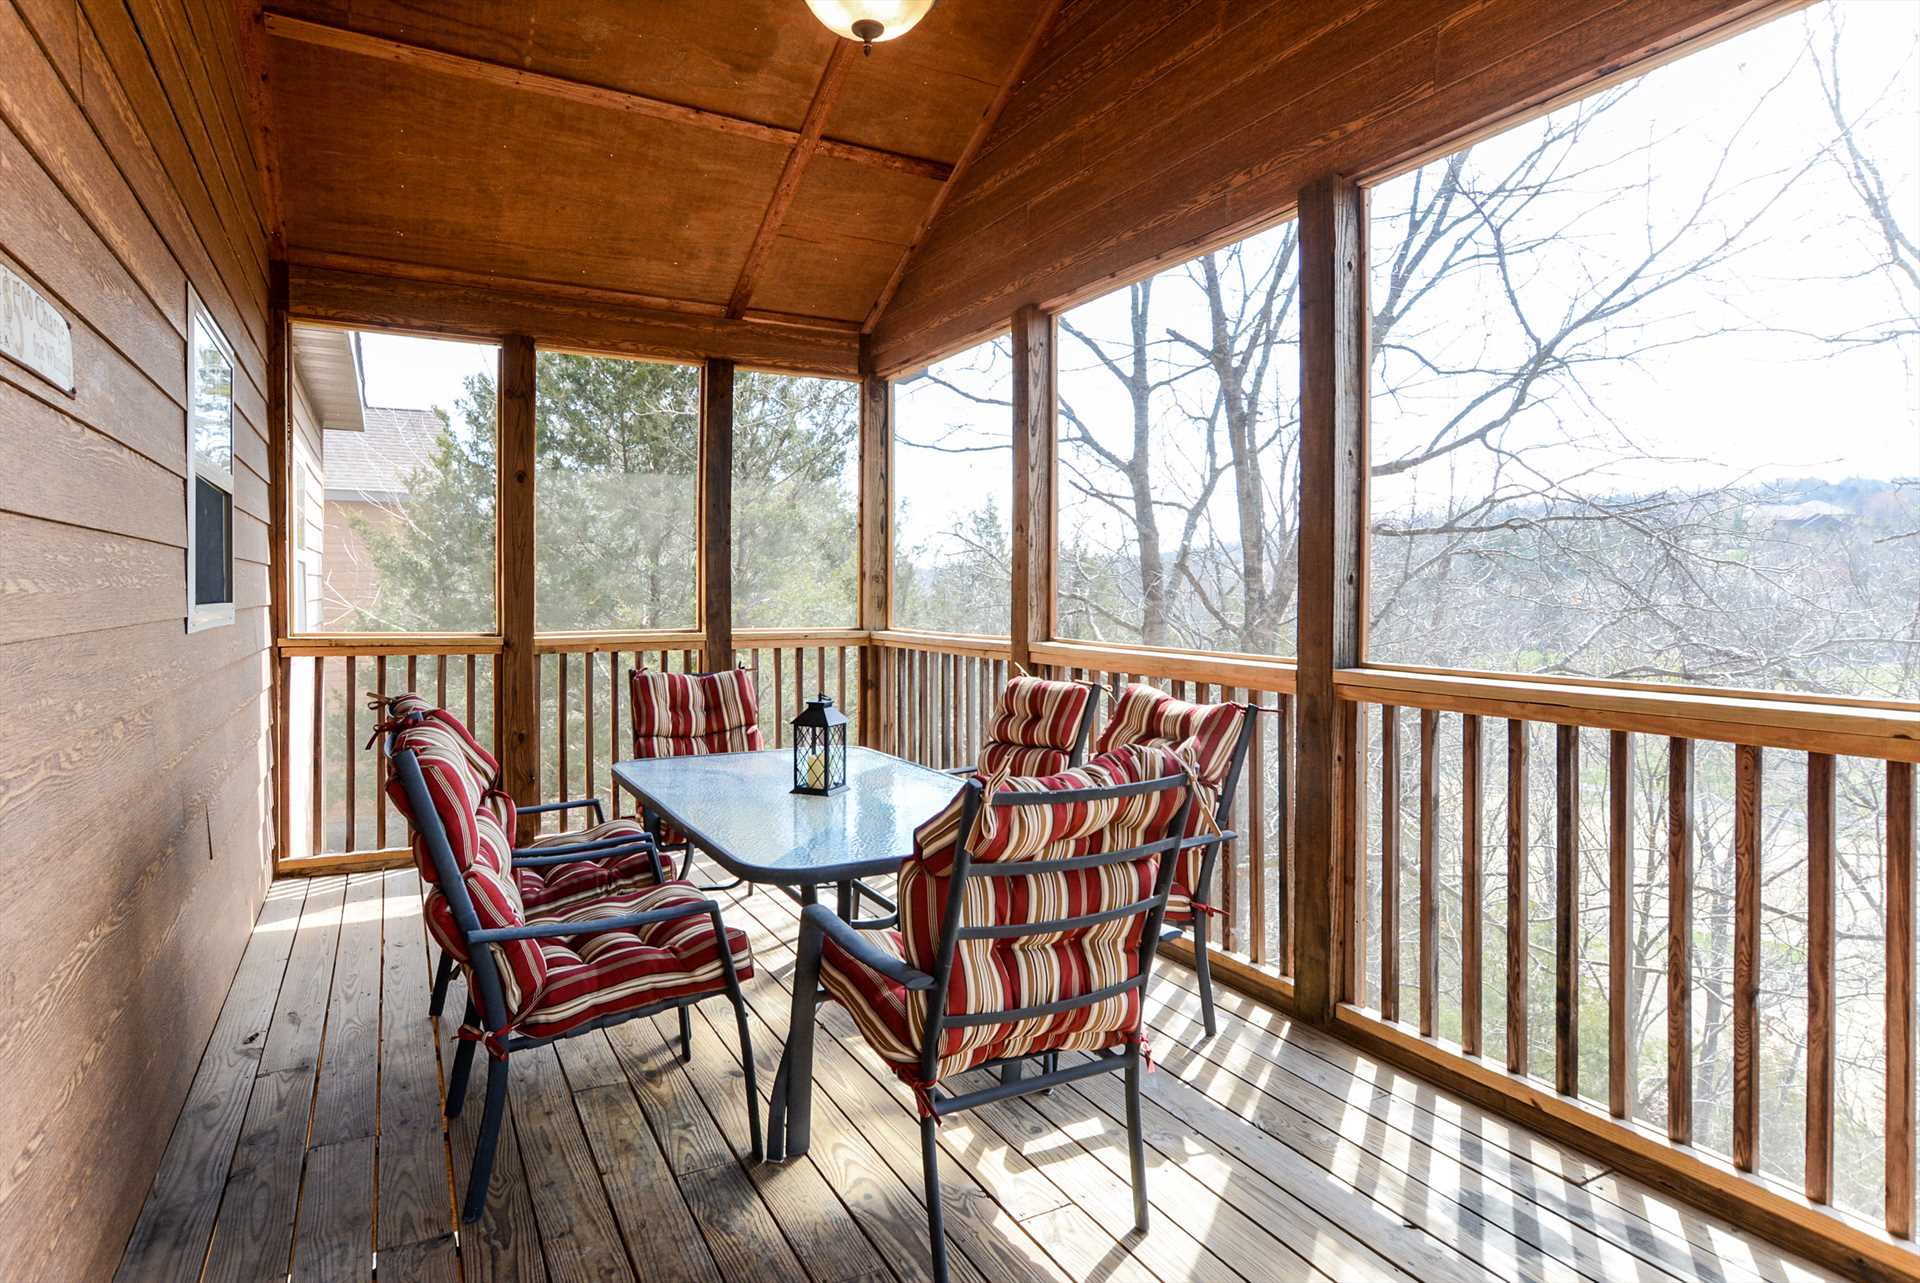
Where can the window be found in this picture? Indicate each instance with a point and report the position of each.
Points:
(1646, 405)
(407, 478)
(209, 486)
(796, 462)
(1646, 377)
(1179, 455)
(953, 493)
(615, 492)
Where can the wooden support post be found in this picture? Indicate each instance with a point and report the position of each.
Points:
(876, 553)
(517, 716)
(1033, 494)
(280, 576)
(1333, 513)
(716, 513)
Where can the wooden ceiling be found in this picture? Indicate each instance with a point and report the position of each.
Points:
(730, 158)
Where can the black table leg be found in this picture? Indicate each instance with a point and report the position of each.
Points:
(843, 904)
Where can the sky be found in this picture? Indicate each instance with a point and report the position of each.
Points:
(1758, 403)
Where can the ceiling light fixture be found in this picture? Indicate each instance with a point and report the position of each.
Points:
(870, 21)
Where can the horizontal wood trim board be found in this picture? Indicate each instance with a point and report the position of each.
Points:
(336, 261)
(1823, 728)
(314, 866)
(943, 643)
(412, 306)
(422, 58)
(1840, 1242)
(400, 644)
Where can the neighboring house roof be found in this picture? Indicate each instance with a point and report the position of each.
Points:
(328, 363)
(1806, 513)
(374, 465)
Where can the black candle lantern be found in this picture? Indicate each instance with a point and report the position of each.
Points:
(819, 749)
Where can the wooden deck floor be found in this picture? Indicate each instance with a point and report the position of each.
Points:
(312, 1143)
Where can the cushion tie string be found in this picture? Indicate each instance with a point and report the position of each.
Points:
(1145, 1048)
(496, 1044)
(379, 705)
(923, 1099)
(985, 825)
(1201, 810)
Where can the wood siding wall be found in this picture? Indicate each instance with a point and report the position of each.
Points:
(134, 796)
(1147, 131)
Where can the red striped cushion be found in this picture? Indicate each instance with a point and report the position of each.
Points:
(1203, 735)
(1035, 714)
(458, 791)
(600, 974)
(551, 888)
(995, 975)
(683, 714)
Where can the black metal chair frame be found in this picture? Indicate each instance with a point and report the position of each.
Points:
(1200, 894)
(790, 1119)
(1077, 755)
(486, 975)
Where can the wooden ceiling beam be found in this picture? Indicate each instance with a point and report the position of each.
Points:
(1041, 22)
(825, 95)
(400, 53)
(253, 54)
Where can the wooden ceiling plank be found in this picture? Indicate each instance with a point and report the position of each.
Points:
(400, 53)
(832, 80)
(1041, 22)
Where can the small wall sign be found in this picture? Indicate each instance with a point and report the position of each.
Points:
(33, 332)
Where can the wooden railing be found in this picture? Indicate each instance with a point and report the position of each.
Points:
(336, 780)
(939, 692)
(1588, 806)
(791, 667)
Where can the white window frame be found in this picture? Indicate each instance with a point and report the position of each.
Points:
(201, 616)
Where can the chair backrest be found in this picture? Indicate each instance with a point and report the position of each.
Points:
(463, 849)
(684, 714)
(1037, 909)
(1210, 739)
(1040, 728)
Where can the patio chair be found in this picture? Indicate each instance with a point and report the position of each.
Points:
(1212, 740)
(536, 974)
(1030, 914)
(685, 714)
(556, 872)
(1041, 727)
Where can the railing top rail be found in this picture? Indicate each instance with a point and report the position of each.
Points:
(987, 647)
(1253, 672)
(324, 644)
(1841, 728)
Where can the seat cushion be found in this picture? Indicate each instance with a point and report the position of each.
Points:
(595, 975)
(558, 887)
(1035, 728)
(1204, 737)
(995, 975)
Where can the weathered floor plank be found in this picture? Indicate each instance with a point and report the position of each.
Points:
(313, 1135)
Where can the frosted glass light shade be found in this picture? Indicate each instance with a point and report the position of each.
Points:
(870, 21)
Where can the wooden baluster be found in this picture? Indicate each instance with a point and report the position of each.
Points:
(945, 663)
(440, 681)
(841, 659)
(563, 787)
(800, 691)
(353, 746)
(586, 699)
(1680, 941)
(1255, 827)
(318, 841)
(1518, 928)
(1620, 1058)
(925, 752)
(614, 750)
(1899, 1088)
(1389, 862)
(1566, 911)
(1353, 866)
(472, 660)
(1820, 960)
(1429, 873)
(779, 688)
(1283, 827)
(1471, 906)
(380, 761)
(1746, 956)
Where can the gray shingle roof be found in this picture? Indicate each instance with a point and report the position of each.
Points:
(376, 463)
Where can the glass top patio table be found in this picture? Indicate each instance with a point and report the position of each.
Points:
(741, 810)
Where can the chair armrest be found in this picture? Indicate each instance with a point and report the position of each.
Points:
(862, 949)
(599, 814)
(596, 849)
(606, 849)
(589, 926)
